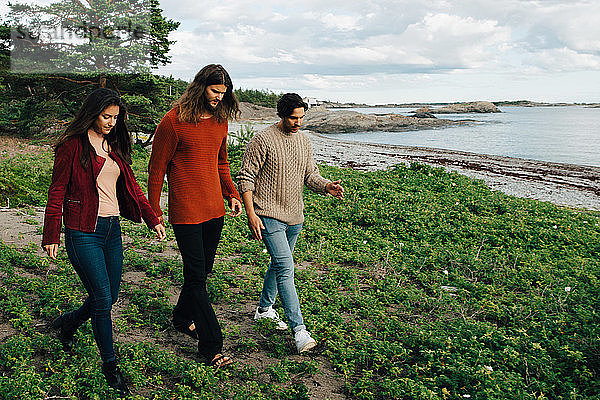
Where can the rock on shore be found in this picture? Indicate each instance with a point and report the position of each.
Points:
(345, 121)
(461, 108)
(254, 112)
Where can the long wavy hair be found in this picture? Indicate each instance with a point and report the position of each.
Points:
(118, 139)
(193, 102)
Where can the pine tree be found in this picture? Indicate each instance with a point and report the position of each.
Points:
(90, 36)
(4, 46)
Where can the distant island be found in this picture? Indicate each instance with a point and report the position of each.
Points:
(479, 107)
(504, 103)
(528, 103)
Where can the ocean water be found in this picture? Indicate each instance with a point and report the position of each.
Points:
(569, 134)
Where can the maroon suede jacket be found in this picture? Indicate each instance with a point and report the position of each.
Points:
(74, 196)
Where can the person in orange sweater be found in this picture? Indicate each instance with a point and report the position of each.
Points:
(190, 147)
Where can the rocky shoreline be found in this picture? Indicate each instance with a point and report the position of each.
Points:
(323, 120)
(343, 121)
(563, 184)
(253, 112)
(501, 103)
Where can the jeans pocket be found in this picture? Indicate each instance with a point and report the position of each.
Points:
(272, 225)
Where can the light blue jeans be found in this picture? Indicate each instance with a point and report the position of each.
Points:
(280, 239)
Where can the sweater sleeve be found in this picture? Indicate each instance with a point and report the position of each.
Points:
(146, 210)
(254, 159)
(227, 187)
(61, 175)
(312, 177)
(163, 149)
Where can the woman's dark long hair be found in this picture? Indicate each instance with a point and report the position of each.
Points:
(193, 103)
(118, 139)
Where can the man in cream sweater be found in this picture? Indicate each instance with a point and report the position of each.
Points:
(278, 162)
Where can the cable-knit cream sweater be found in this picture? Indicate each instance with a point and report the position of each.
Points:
(275, 167)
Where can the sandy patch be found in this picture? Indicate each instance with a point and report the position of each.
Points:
(10, 146)
(22, 227)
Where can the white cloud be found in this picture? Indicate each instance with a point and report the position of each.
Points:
(318, 44)
(564, 60)
(340, 22)
(450, 41)
(575, 25)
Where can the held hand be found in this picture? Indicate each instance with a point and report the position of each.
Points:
(255, 225)
(161, 233)
(236, 207)
(52, 250)
(161, 220)
(335, 189)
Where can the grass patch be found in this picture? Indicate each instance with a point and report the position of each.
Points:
(420, 284)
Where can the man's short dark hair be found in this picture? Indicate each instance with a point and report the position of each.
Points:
(288, 103)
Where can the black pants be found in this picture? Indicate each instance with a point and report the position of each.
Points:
(198, 245)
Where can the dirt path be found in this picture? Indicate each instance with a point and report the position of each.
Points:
(10, 146)
(21, 228)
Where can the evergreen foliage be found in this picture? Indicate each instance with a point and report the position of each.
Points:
(35, 105)
(95, 36)
(160, 28)
(4, 46)
(265, 98)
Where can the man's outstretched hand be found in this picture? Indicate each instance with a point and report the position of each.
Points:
(335, 189)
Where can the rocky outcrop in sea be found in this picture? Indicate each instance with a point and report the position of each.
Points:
(344, 121)
(462, 108)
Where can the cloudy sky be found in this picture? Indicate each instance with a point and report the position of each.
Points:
(395, 51)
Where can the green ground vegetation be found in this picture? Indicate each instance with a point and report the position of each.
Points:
(24, 179)
(420, 284)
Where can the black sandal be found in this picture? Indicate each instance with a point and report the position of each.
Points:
(184, 327)
(219, 360)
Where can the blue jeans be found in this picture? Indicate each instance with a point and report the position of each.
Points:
(280, 239)
(98, 260)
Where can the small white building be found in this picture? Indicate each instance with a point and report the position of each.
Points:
(312, 101)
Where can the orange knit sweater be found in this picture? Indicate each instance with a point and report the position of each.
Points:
(194, 158)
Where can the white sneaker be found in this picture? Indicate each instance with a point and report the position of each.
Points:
(303, 341)
(272, 315)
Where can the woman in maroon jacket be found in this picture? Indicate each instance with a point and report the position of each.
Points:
(92, 184)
